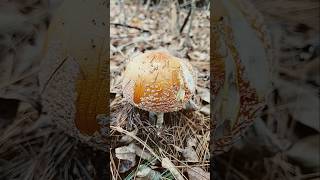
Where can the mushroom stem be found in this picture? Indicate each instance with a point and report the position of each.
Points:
(156, 118)
(153, 117)
(159, 119)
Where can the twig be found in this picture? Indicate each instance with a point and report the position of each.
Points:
(132, 27)
(185, 20)
(191, 16)
(310, 176)
(175, 17)
(187, 41)
(146, 7)
(134, 41)
(52, 74)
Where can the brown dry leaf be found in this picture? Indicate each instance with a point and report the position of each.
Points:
(190, 155)
(302, 102)
(166, 163)
(196, 173)
(146, 173)
(204, 94)
(127, 157)
(205, 109)
(199, 56)
(126, 153)
(306, 151)
(306, 110)
(130, 152)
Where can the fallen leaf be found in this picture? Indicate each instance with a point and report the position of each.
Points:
(166, 163)
(306, 152)
(146, 173)
(199, 56)
(302, 102)
(126, 153)
(204, 94)
(196, 173)
(205, 109)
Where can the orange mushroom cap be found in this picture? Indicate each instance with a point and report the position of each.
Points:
(156, 81)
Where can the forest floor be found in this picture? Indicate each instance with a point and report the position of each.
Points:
(183, 146)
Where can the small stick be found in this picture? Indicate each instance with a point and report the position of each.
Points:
(146, 7)
(191, 16)
(175, 26)
(132, 27)
(185, 20)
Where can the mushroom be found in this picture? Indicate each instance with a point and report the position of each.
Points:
(73, 73)
(158, 82)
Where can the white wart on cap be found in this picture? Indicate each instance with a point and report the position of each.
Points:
(156, 81)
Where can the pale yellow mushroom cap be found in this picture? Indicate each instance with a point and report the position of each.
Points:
(156, 81)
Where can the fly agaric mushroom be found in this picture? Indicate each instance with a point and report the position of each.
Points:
(241, 77)
(74, 72)
(158, 82)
